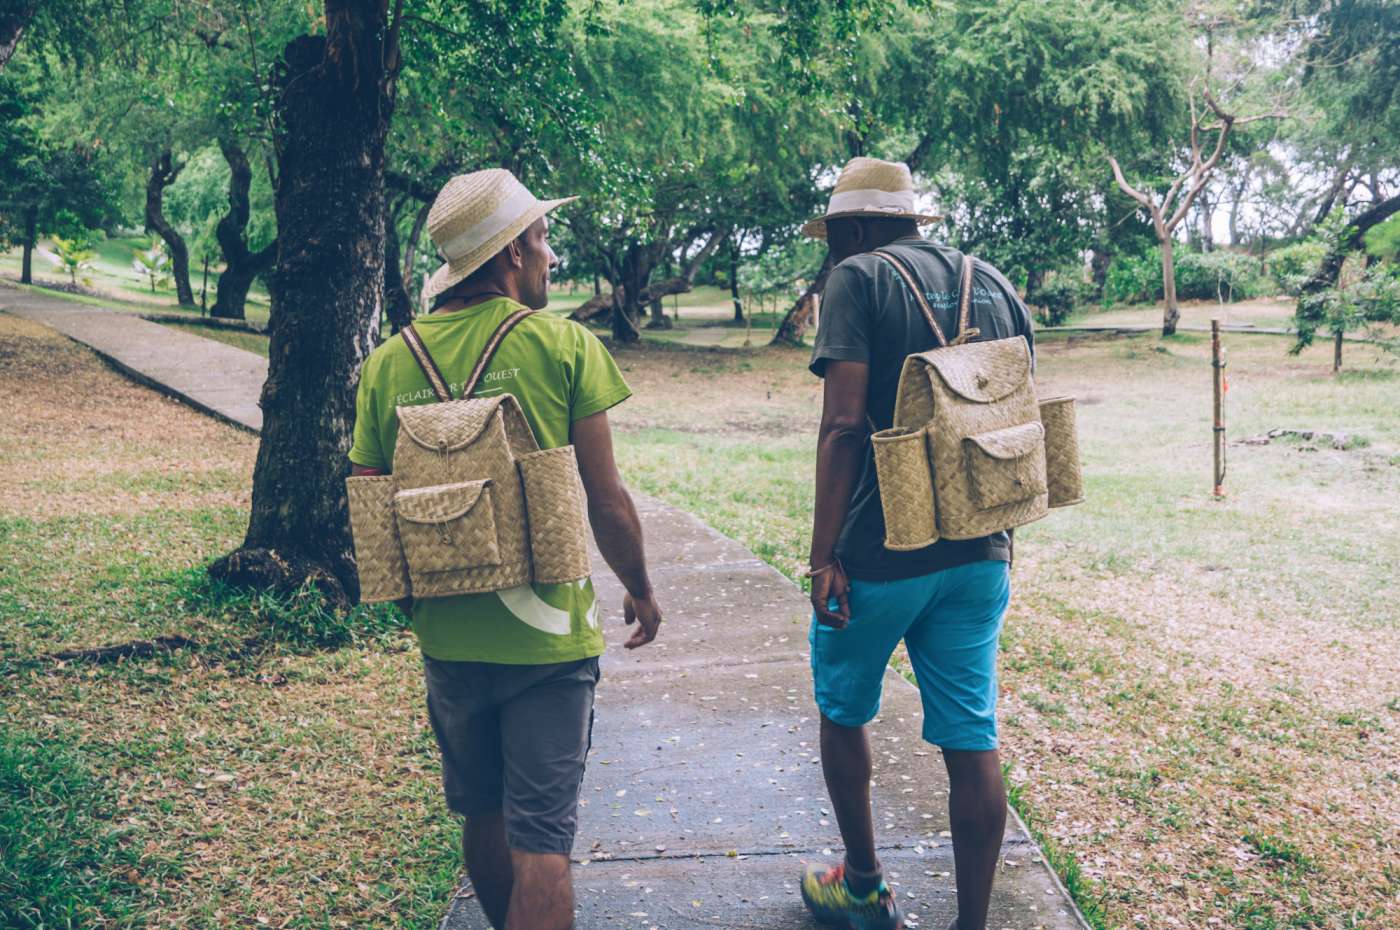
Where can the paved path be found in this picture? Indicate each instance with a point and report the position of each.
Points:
(704, 792)
(206, 374)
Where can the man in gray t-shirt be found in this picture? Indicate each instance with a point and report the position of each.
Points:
(945, 601)
(868, 315)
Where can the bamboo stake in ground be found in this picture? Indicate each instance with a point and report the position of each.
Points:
(1217, 361)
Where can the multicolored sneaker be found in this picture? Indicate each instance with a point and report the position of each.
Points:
(829, 898)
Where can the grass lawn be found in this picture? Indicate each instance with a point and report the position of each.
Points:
(115, 283)
(1201, 699)
(251, 342)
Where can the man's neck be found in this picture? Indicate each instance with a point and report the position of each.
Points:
(487, 291)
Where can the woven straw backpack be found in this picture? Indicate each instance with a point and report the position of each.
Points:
(472, 504)
(972, 452)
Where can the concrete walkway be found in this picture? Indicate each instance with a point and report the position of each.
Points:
(704, 793)
(206, 374)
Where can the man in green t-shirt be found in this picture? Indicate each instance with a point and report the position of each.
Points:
(510, 674)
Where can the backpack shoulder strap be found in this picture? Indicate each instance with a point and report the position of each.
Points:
(966, 333)
(425, 361)
(909, 281)
(492, 345)
(414, 341)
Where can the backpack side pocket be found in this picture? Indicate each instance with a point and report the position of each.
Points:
(378, 554)
(557, 511)
(1063, 472)
(905, 479)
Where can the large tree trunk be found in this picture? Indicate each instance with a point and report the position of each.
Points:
(31, 238)
(398, 307)
(1171, 313)
(1207, 233)
(334, 100)
(13, 22)
(163, 173)
(799, 316)
(241, 266)
(595, 306)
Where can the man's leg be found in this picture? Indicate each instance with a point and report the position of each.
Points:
(467, 727)
(847, 766)
(489, 865)
(546, 728)
(848, 671)
(953, 649)
(543, 897)
(977, 809)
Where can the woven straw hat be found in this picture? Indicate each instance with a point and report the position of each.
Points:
(870, 187)
(474, 217)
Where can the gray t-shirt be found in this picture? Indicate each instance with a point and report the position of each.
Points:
(868, 315)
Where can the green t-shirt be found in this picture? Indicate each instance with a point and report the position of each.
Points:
(560, 373)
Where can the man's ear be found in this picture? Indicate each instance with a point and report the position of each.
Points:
(515, 253)
(860, 234)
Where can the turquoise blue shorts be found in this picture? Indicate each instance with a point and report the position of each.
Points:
(950, 621)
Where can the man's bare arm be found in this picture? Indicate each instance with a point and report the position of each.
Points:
(840, 443)
(616, 526)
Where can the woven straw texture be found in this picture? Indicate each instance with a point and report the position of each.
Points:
(1006, 466)
(906, 488)
(1064, 474)
(966, 391)
(465, 203)
(383, 573)
(462, 441)
(871, 174)
(447, 528)
(557, 509)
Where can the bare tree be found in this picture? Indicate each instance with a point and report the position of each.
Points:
(1168, 212)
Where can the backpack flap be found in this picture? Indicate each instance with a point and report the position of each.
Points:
(1006, 466)
(449, 426)
(981, 372)
(447, 527)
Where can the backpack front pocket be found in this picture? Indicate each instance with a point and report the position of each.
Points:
(1006, 466)
(447, 527)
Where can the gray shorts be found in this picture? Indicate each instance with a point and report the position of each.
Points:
(514, 740)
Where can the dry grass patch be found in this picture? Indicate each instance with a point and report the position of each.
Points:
(78, 439)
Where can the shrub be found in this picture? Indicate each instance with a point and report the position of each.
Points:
(1225, 276)
(1293, 264)
(1056, 297)
(1133, 279)
(1383, 241)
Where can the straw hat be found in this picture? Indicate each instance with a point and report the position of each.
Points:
(871, 187)
(474, 217)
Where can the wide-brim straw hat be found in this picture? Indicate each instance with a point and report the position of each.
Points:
(474, 217)
(871, 187)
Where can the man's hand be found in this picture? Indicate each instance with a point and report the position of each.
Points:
(644, 612)
(827, 585)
